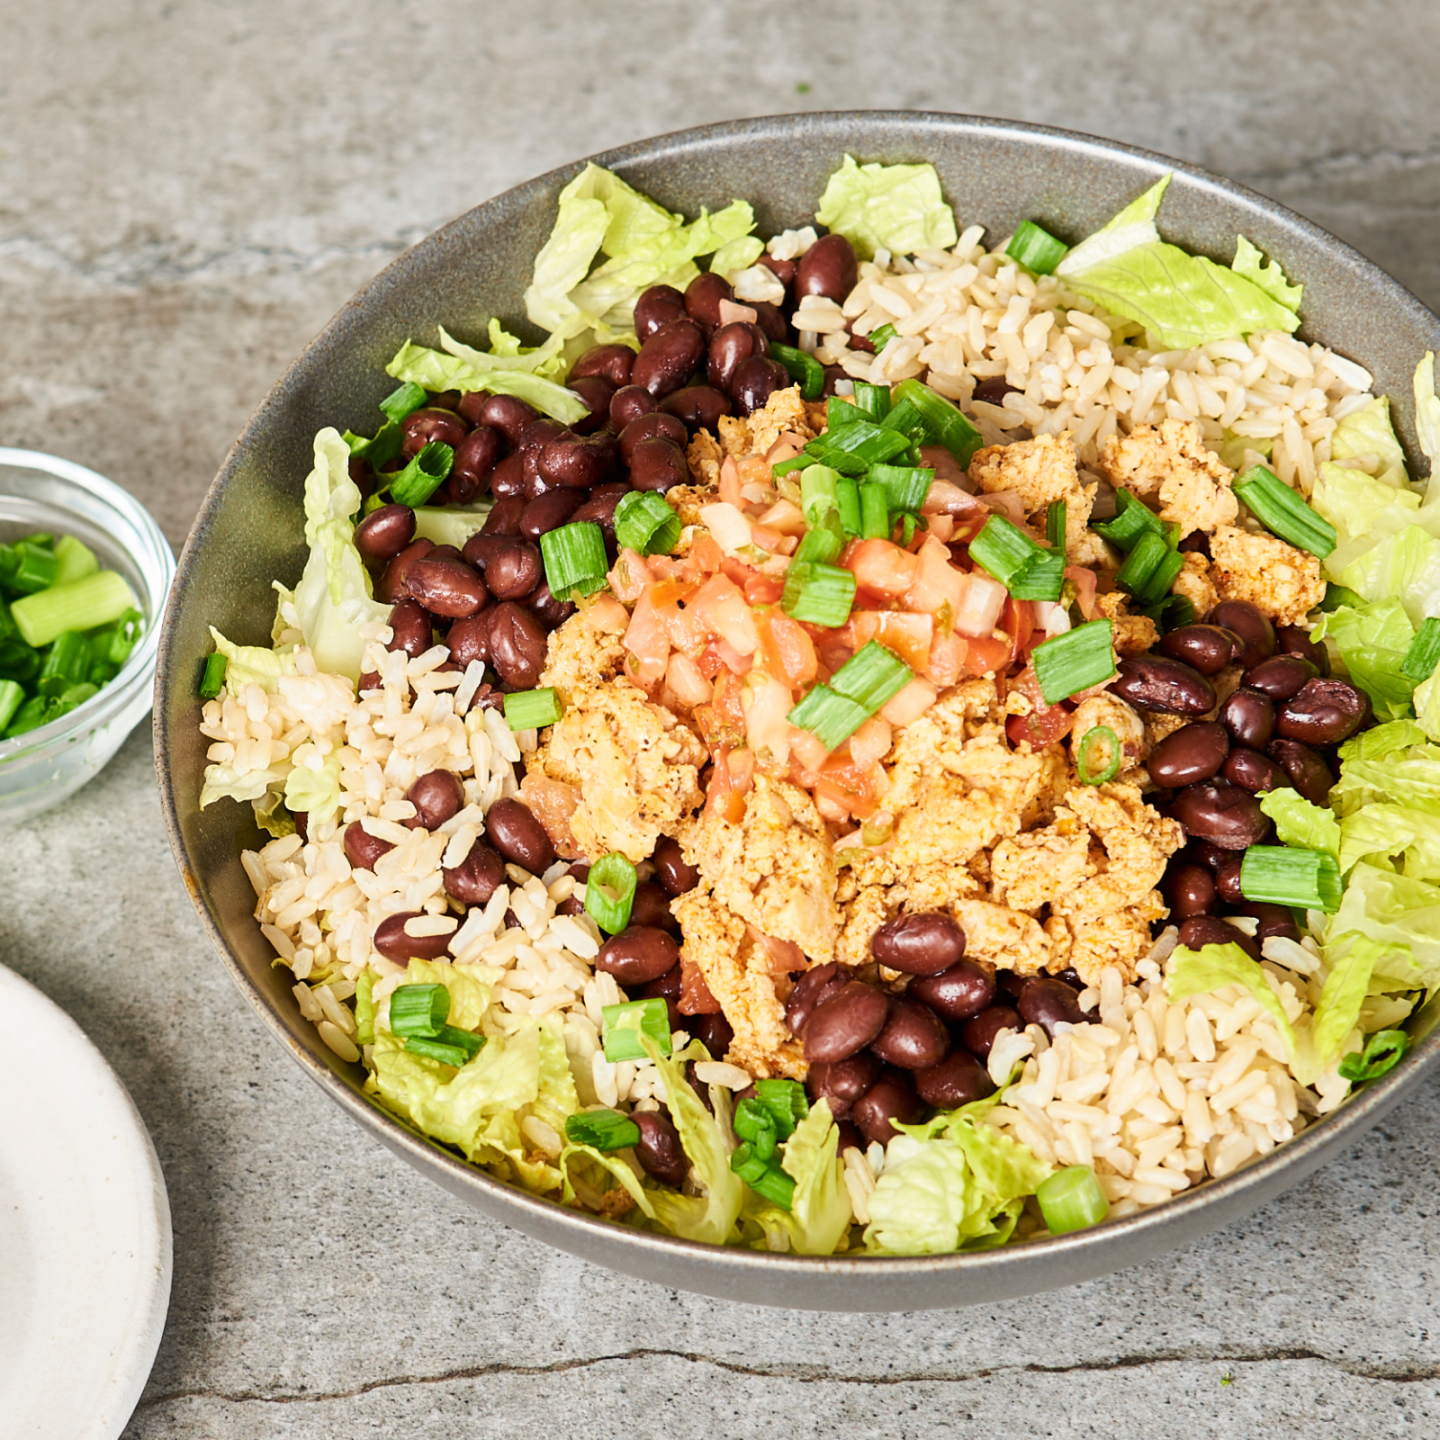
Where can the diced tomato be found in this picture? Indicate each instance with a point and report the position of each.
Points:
(726, 796)
(727, 699)
(942, 527)
(978, 612)
(871, 742)
(788, 652)
(1040, 728)
(949, 659)
(695, 996)
(767, 701)
(764, 589)
(809, 754)
(784, 517)
(986, 655)
(647, 637)
(846, 787)
(785, 956)
(940, 587)
(730, 481)
(722, 607)
(1018, 622)
(629, 576)
(909, 636)
(705, 557)
(772, 540)
(732, 659)
(911, 703)
(607, 614)
(1084, 580)
(689, 687)
(880, 566)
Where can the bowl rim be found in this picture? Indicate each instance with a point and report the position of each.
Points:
(1126, 1239)
(143, 659)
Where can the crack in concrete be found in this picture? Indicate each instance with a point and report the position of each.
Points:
(805, 1375)
(1344, 162)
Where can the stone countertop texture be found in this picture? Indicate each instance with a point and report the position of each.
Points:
(187, 193)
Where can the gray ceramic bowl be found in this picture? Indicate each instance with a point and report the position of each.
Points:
(249, 531)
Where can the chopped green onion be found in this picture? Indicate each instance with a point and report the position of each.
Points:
(817, 492)
(763, 1177)
(909, 524)
(1003, 549)
(755, 1123)
(610, 892)
(115, 644)
(1276, 506)
(77, 694)
(1287, 875)
(1055, 524)
(423, 476)
(575, 562)
(906, 486)
(880, 336)
(1163, 578)
(212, 682)
(96, 600)
(1072, 1200)
(1338, 595)
(787, 467)
(624, 1024)
(9, 560)
(1172, 611)
(1074, 661)
(34, 713)
(77, 560)
(840, 412)
(1041, 577)
(805, 369)
(818, 593)
(18, 661)
(907, 418)
(400, 403)
(1133, 518)
(36, 568)
(871, 677)
(1088, 765)
(1036, 249)
(11, 699)
(466, 1040)
(873, 400)
(1424, 653)
(821, 543)
(1138, 571)
(387, 443)
(532, 709)
(859, 444)
(1384, 1050)
(787, 1102)
(874, 512)
(8, 628)
(831, 718)
(847, 498)
(602, 1129)
(419, 1009)
(66, 662)
(645, 522)
(446, 1054)
(948, 426)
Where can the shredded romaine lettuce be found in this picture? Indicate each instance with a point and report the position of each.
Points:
(1372, 640)
(898, 208)
(819, 1216)
(458, 367)
(1193, 972)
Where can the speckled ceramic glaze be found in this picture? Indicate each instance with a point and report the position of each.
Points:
(249, 531)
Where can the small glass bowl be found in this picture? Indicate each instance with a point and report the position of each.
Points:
(43, 492)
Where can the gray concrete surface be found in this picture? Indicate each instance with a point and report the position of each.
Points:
(187, 192)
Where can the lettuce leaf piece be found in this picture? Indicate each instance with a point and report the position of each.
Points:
(1346, 986)
(1427, 418)
(820, 1215)
(898, 208)
(1193, 972)
(1399, 914)
(253, 664)
(1357, 504)
(1391, 831)
(316, 791)
(598, 213)
(737, 255)
(333, 598)
(272, 816)
(611, 1163)
(952, 1183)
(1181, 300)
(1250, 264)
(1383, 740)
(1404, 566)
(1372, 641)
(1299, 823)
(438, 370)
(1427, 706)
(1370, 431)
(450, 524)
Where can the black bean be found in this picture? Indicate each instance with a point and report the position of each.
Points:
(362, 849)
(1188, 755)
(599, 509)
(670, 357)
(667, 987)
(1190, 890)
(913, 1037)
(1323, 712)
(978, 1035)
(891, 1097)
(658, 306)
(394, 584)
(1253, 628)
(394, 944)
(614, 362)
(703, 296)
(771, 320)
(476, 457)
(1223, 814)
(410, 625)
(437, 797)
(782, 270)
(659, 465)
(427, 426)
(506, 413)
(1206, 854)
(538, 434)
(469, 639)
(507, 479)
(827, 268)
(504, 516)
(714, 1032)
(447, 587)
(1295, 640)
(649, 427)
(1202, 930)
(1227, 880)
(651, 906)
(1249, 716)
(672, 870)
(842, 1083)
(846, 1023)
(1281, 677)
(659, 1149)
(516, 832)
(729, 345)
(1274, 920)
(516, 642)
(549, 512)
(547, 609)
(813, 988)
(698, 407)
(834, 374)
(1253, 771)
(515, 568)
(957, 1080)
(384, 533)
(962, 991)
(755, 380)
(475, 879)
(629, 403)
(919, 944)
(1206, 648)
(637, 954)
(1048, 1002)
(578, 463)
(1153, 682)
(596, 392)
(1304, 768)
